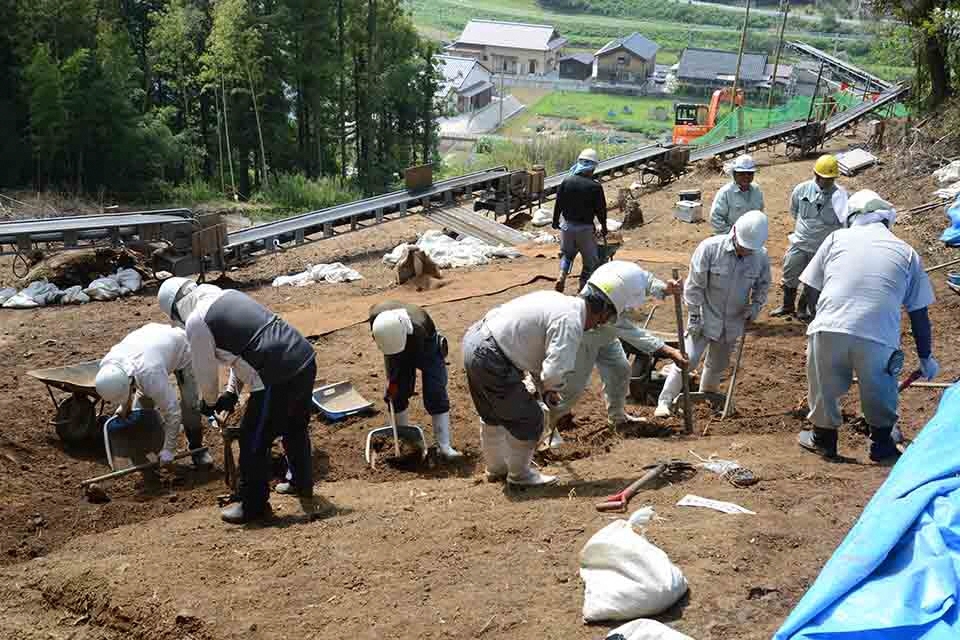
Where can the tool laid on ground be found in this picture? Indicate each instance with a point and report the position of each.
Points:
(685, 371)
(408, 433)
(675, 469)
(140, 467)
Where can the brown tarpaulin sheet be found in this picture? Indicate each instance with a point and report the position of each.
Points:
(456, 285)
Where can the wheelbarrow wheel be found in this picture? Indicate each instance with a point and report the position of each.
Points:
(76, 420)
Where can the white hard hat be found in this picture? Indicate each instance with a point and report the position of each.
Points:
(588, 154)
(744, 164)
(751, 230)
(171, 291)
(390, 331)
(113, 384)
(624, 283)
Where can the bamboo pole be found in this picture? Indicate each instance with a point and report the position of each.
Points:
(743, 44)
(685, 371)
(776, 62)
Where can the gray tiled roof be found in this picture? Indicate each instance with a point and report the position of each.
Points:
(635, 44)
(707, 64)
(582, 58)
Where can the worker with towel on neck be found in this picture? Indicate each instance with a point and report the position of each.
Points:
(409, 340)
(580, 200)
(863, 275)
(737, 197)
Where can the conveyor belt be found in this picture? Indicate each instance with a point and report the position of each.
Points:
(844, 119)
(872, 81)
(764, 136)
(380, 207)
(467, 222)
(616, 163)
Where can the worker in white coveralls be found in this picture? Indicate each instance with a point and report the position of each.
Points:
(135, 377)
(725, 290)
(863, 274)
(538, 333)
(819, 207)
(626, 285)
(737, 197)
(580, 200)
(409, 340)
(278, 365)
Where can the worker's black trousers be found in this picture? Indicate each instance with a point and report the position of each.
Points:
(280, 410)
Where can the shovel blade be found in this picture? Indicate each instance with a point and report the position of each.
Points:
(410, 434)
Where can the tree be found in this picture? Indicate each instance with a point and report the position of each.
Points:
(47, 117)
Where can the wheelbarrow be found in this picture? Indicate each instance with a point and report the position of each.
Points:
(77, 416)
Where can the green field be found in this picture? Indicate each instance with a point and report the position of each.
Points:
(638, 115)
(592, 30)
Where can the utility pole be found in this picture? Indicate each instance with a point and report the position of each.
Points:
(785, 6)
(743, 44)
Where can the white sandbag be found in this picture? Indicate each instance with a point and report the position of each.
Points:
(130, 280)
(447, 252)
(542, 217)
(644, 629)
(949, 173)
(336, 272)
(6, 293)
(42, 292)
(74, 295)
(107, 288)
(613, 224)
(626, 576)
(545, 238)
(20, 301)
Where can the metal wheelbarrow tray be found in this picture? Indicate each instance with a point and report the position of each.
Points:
(339, 400)
(76, 416)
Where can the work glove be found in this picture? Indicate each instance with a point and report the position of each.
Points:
(226, 403)
(694, 325)
(929, 367)
(556, 225)
(206, 410)
(393, 390)
(166, 456)
(552, 399)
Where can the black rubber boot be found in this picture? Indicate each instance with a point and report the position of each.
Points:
(803, 310)
(234, 514)
(882, 447)
(787, 308)
(822, 442)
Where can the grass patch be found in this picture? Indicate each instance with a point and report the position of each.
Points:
(633, 114)
(297, 193)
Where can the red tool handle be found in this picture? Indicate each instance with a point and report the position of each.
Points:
(618, 501)
(913, 377)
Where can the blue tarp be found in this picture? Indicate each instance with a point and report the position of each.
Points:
(951, 235)
(896, 576)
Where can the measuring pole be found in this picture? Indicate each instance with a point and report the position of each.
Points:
(776, 62)
(743, 43)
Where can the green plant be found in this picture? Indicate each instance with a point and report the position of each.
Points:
(297, 192)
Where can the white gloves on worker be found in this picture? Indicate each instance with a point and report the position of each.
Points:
(694, 325)
(929, 367)
(166, 456)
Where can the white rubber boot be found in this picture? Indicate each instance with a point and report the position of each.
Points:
(520, 473)
(492, 440)
(441, 431)
(662, 411)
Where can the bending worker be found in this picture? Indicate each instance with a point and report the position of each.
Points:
(135, 375)
(267, 355)
(864, 275)
(626, 285)
(580, 199)
(409, 340)
(736, 197)
(819, 206)
(725, 290)
(537, 333)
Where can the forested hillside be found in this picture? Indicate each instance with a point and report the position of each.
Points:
(133, 97)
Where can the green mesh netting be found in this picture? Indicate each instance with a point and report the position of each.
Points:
(748, 119)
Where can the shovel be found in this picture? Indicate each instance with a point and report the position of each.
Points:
(407, 433)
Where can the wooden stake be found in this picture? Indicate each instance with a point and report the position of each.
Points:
(685, 371)
(733, 378)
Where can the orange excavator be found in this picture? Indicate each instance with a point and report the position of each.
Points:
(694, 120)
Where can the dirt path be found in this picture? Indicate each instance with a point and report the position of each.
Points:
(428, 552)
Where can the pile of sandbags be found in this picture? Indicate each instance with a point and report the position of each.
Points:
(41, 293)
(446, 252)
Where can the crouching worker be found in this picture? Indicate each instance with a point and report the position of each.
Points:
(537, 333)
(863, 275)
(626, 285)
(278, 365)
(409, 340)
(725, 290)
(135, 377)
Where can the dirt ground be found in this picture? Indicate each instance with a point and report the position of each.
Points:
(432, 551)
